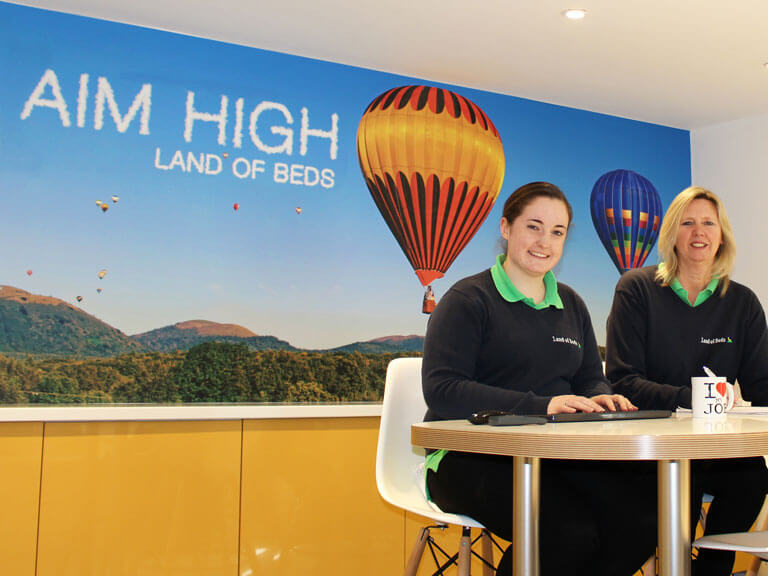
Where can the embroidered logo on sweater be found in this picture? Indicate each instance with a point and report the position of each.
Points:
(721, 340)
(566, 340)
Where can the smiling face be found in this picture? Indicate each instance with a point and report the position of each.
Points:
(535, 238)
(699, 235)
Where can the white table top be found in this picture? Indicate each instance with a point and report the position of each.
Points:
(678, 437)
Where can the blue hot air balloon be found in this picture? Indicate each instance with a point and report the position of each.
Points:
(626, 213)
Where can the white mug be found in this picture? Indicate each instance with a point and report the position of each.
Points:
(711, 397)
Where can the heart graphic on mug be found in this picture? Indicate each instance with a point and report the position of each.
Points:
(721, 389)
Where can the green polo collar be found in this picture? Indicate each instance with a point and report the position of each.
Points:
(702, 296)
(510, 293)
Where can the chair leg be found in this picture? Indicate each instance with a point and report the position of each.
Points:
(465, 552)
(418, 550)
(462, 559)
(486, 547)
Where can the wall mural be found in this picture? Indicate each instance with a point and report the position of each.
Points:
(186, 220)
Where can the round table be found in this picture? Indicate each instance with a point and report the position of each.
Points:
(672, 442)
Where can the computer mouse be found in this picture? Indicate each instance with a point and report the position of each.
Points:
(482, 416)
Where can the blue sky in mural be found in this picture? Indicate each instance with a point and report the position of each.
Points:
(139, 117)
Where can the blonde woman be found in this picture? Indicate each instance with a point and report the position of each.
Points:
(670, 320)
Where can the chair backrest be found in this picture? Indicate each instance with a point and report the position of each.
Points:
(396, 458)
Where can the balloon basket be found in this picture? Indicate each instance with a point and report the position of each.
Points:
(429, 303)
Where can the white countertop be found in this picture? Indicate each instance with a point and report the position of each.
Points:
(127, 412)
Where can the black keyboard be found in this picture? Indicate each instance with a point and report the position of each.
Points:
(501, 418)
(607, 416)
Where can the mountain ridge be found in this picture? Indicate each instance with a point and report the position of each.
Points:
(184, 335)
(35, 324)
(45, 325)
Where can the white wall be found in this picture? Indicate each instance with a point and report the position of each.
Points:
(732, 160)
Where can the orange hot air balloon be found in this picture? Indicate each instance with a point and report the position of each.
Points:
(102, 273)
(79, 298)
(298, 209)
(104, 206)
(434, 164)
(29, 272)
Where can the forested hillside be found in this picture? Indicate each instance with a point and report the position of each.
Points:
(209, 372)
(44, 325)
(185, 335)
(405, 344)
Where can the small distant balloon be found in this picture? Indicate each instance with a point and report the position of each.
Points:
(98, 290)
(115, 199)
(102, 273)
(29, 272)
(236, 206)
(99, 202)
(79, 298)
(298, 209)
(225, 154)
(104, 206)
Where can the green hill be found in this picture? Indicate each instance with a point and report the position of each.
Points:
(185, 335)
(32, 324)
(385, 345)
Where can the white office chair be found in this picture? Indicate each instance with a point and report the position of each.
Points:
(754, 542)
(397, 463)
(751, 542)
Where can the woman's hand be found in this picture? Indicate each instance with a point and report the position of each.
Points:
(570, 403)
(614, 402)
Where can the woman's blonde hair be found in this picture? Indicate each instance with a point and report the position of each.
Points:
(726, 254)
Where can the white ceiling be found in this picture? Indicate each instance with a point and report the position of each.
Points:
(681, 63)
